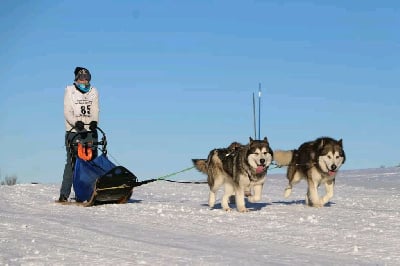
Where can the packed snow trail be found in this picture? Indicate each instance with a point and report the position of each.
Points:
(170, 224)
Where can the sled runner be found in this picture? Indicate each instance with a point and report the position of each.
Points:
(96, 180)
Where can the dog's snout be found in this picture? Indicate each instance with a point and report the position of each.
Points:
(262, 161)
(333, 167)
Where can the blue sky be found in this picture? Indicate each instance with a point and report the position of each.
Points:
(176, 79)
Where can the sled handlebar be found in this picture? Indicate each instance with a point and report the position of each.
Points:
(87, 131)
(103, 141)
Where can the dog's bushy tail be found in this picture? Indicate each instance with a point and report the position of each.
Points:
(283, 158)
(200, 164)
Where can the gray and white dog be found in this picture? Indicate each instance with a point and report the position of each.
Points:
(239, 168)
(316, 161)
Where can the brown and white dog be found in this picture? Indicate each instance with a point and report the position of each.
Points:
(239, 168)
(316, 161)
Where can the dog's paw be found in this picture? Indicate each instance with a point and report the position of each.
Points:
(313, 204)
(244, 209)
(316, 205)
(227, 209)
(288, 191)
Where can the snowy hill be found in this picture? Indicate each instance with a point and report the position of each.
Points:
(170, 224)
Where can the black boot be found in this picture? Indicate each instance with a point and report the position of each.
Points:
(63, 198)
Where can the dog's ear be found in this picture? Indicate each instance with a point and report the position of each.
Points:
(321, 144)
(343, 154)
(340, 142)
(251, 139)
(265, 139)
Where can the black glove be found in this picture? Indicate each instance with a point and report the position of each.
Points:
(79, 125)
(93, 125)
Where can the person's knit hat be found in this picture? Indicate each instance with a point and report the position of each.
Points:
(82, 74)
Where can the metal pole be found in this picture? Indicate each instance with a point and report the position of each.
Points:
(254, 117)
(259, 111)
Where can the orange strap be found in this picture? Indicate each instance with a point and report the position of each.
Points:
(85, 153)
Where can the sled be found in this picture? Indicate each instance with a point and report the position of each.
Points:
(96, 180)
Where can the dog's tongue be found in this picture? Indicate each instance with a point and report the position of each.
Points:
(260, 169)
(331, 173)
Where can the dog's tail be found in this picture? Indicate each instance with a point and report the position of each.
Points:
(283, 158)
(201, 165)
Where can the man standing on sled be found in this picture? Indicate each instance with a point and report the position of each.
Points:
(81, 113)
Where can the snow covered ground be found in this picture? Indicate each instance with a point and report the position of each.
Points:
(170, 224)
